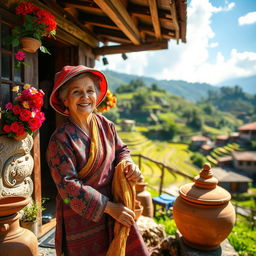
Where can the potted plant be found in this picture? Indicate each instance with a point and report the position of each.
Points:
(30, 216)
(24, 115)
(36, 23)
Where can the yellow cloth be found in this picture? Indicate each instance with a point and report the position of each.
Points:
(124, 192)
(94, 148)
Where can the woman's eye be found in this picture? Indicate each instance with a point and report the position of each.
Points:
(75, 92)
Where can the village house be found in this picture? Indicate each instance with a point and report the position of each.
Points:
(248, 132)
(86, 31)
(221, 140)
(245, 161)
(230, 180)
(199, 140)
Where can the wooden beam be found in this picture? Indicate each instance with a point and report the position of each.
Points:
(166, 33)
(111, 35)
(154, 17)
(96, 20)
(87, 6)
(144, 12)
(175, 21)
(118, 13)
(117, 49)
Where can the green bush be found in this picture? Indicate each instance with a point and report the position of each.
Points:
(242, 238)
(198, 159)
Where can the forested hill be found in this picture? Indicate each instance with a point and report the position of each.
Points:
(190, 91)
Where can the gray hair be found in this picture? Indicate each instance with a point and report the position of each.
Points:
(63, 90)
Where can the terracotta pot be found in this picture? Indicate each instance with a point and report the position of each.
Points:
(21, 137)
(30, 44)
(12, 204)
(15, 240)
(203, 213)
(32, 226)
(145, 198)
(138, 209)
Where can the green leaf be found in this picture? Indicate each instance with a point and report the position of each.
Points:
(44, 50)
(15, 42)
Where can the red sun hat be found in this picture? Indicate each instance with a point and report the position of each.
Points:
(65, 75)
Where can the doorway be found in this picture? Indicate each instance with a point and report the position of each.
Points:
(48, 65)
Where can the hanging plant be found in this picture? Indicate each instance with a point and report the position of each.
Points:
(36, 23)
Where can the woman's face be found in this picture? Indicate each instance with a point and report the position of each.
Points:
(81, 97)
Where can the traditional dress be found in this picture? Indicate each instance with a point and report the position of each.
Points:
(82, 226)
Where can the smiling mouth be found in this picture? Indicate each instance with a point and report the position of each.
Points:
(84, 104)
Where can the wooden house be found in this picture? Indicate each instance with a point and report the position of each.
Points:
(86, 30)
(245, 161)
(199, 140)
(248, 131)
(231, 180)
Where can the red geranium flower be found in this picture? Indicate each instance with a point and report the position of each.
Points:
(26, 8)
(24, 114)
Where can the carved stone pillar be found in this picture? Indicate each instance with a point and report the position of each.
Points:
(16, 166)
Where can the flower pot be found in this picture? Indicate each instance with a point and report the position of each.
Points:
(202, 212)
(138, 209)
(15, 240)
(22, 137)
(30, 44)
(145, 199)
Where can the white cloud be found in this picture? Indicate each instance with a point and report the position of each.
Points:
(190, 61)
(249, 18)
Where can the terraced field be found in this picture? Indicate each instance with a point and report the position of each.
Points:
(221, 152)
(176, 156)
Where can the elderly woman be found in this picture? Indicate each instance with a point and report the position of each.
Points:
(82, 155)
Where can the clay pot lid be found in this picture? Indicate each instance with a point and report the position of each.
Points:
(204, 189)
(12, 204)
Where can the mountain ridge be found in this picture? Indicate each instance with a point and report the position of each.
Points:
(190, 91)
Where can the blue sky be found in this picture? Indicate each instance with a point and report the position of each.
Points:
(221, 44)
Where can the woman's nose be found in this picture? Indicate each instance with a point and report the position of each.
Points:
(84, 94)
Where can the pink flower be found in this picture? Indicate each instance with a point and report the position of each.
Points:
(20, 56)
(8, 106)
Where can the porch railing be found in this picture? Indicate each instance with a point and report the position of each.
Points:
(163, 167)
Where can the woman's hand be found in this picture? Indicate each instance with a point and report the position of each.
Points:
(132, 172)
(120, 213)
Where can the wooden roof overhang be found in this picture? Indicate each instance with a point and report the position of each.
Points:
(122, 25)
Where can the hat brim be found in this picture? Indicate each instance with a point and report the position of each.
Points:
(57, 104)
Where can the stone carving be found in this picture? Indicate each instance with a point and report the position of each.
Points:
(16, 166)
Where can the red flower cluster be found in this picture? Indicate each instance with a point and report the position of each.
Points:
(40, 16)
(24, 114)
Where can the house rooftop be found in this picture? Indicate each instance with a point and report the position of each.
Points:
(224, 159)
(228, 175)
(207, 147)
(200, 138)
(245, 156)
(249, 126)
(222, 137)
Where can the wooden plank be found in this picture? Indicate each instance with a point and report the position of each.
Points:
(144, 12)
(87, 6)
(166, 33)
(175, 22)
(117, 49)
(154, 17)
(117, 12)
(97, 20)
